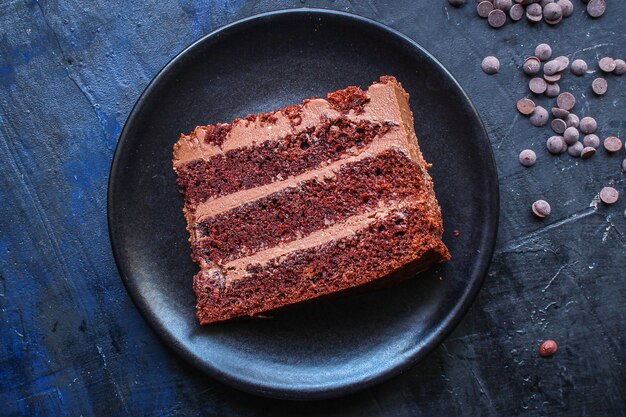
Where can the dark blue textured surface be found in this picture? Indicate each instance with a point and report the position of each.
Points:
(73, 343)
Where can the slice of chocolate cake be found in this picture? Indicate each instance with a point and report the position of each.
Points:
(307, 201)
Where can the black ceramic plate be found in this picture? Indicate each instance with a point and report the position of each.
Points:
(259, 64)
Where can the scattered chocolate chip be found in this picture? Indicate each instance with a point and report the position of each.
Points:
(559, 113)
(543, 51)
(456, 233)
(457, 3)
(599, 86)
(552, 12)
(567, 7)
(556, 145)
(609, 195)
(552, 90)
(541, 208)
(490, 65)
(527, 157)
(613, 144)
(484, 8)
(554, 22)
(551, 67)
(592, 141)
(566, 101)
(588, 125)
(596, 8)
(496, 18)
(547, 348)
(607, 64)
(563, 61)
(532, 66)
(534, 13)
(579, 67)
(504, 5)
(539, 117)
(552, 78)
(517, 12)
(525, 106)
(538, 85)
(575, 150)
(572, 120)
(558, 125)
(587, 152)
(571, 135)
(620, 67)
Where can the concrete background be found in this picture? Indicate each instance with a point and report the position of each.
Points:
(72, 342)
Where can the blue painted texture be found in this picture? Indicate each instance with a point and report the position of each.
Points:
(71, 341)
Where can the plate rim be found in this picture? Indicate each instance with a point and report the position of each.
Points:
(445, 327)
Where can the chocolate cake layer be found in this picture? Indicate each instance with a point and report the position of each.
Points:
(306, 201)
(399, 237)
(244, 168)
(295, 212)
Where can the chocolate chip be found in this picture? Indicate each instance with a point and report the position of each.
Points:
(572, 120)
(579, 67)
(558, 125)
(554, 22)
(596, 8)
(613, 144)
(599, 86)
(490, 65)
(592, 141)
(541, 208)
(620, 67)
(534, 13)
(559, 113)
(607, 64)
(532, 66)
(556, 145)
(538, 85)
(609, 195)
(517, 12)
(504, 5)
(575, 150)
(457, 3)
(543, 51)
(527, 158)
(563, 61)
(567, 7)
(525, 106)
(539, 117)
(547, 348)
(571, 135)
(588, 125)
(496, 18)
(552, 90)
(551, 67)
(552, 78)
(552, 12)
(587, 152)
(566, 101)
(484, 8)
